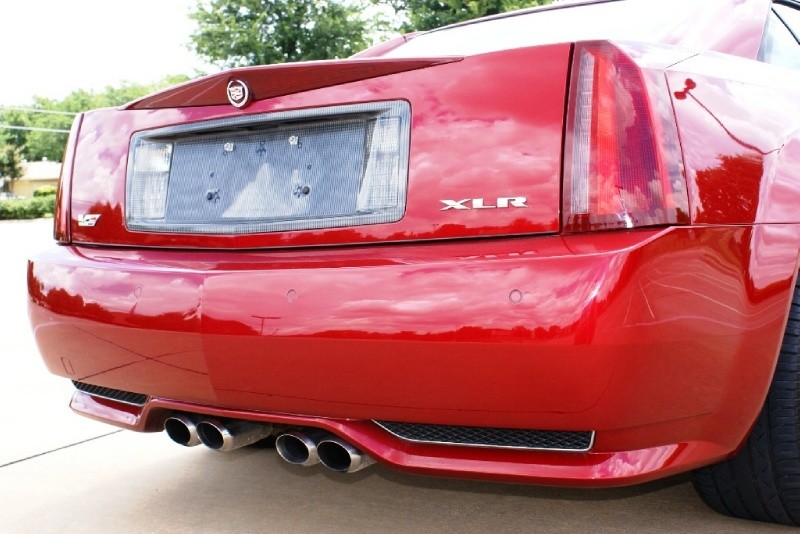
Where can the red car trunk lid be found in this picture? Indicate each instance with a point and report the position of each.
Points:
(483, 153)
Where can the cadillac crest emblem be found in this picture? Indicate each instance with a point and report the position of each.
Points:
(238, 93)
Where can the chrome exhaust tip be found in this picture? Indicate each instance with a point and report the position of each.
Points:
(182, 429)
(231, 435)
(299, 447)
(335, 453)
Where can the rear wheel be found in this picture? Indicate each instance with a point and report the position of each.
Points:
(762, 482)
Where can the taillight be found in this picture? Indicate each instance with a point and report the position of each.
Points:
(61, 217)
(622, 164)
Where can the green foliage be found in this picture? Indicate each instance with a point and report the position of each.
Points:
(29, 208)
(45, 191)
(36, 145)
(10, 164)
(429, 14)
(235, 33)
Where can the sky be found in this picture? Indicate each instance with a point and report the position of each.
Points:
(52, 47)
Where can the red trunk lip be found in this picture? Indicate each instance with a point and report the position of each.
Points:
(271, 81)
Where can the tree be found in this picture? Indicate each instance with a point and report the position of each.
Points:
(11, 136)
(10, 164)
(47, 143)
(429, 14)
(235, 33)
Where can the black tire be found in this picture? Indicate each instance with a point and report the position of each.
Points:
(762, 482)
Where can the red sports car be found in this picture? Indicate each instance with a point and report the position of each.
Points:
(556, 246)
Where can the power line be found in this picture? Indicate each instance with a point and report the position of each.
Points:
(32, 129)
(28, 110)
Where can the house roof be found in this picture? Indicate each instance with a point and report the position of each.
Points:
(41, 170)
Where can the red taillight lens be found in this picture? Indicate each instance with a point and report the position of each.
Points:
(623, 165)
(61, 217)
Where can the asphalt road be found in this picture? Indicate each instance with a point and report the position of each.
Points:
(62, 473)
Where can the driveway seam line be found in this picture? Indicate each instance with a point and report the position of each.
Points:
(60, 448)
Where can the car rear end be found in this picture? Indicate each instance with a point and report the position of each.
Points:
(477, 264)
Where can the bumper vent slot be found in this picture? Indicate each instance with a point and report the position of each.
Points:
(125, 397)
(507, 438)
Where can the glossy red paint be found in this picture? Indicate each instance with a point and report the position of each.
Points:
(618, 335)
(720, 140)
(663, 340)
(279, 80)
(62, 217)
(730, 27)
(382, 48)
(450, 158)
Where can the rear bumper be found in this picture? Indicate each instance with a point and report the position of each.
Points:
(661, 342)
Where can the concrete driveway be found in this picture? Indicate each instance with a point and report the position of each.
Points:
(62, 473)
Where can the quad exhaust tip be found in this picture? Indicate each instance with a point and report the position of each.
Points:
(182, 429)
(299, 447)
(216, 434)
(226, 436)
(311, 446)
(304, 447)
(337, 454)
